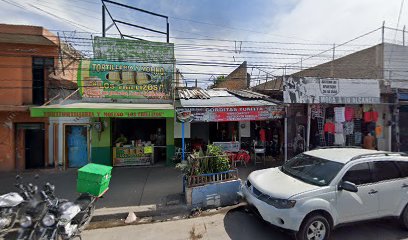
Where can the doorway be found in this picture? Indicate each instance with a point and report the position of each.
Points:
(76, 145)
(34, 152)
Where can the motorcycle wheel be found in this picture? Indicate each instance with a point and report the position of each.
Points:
(12, 218)
(87, 217)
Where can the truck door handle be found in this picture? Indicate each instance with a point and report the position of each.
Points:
(372, 191)
(404, 185)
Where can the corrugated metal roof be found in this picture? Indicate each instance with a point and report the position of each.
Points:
(194, 93)
(248, 94)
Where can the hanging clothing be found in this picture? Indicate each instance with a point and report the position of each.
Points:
(316, 111)
(378, 131)
(329, 127)
(357, 138)
(329, 138)
(357, 125)
(350, 140)
(339, 139)
(348, 128)
(338, 127)
(339, 114)
(349, 113)
(329, 112)
(370, 116)
(371, 128)
(262, 135)
(358, 112)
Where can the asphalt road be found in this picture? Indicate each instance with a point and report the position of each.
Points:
(240, 224)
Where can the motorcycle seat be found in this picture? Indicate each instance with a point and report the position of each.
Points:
(83, 201)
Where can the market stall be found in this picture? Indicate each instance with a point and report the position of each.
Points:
(231, 121)
(334, 112)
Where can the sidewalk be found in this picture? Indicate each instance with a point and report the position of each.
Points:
(155, 190)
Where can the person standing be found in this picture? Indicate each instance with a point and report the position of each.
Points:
(369, 142)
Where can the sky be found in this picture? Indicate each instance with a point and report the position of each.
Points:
(274, 36)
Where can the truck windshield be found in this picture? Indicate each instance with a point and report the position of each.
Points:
(312, 170)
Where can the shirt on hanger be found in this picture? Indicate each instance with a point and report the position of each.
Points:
(262, 134)
(339, 139)
(348, 128)
(349, 113)
(357, 138)
(339, 114)
(338, 127)
(329, 112)
(378, 131)
(329, 127)
(370, 116)
(358, 112)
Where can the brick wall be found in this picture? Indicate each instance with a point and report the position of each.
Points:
(236, 80)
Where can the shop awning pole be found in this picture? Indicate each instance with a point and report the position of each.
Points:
(309, 119)
(182, 142)
(286, 134)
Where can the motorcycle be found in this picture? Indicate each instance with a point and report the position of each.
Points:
(11, 204)
(31, 214)
(66, 220)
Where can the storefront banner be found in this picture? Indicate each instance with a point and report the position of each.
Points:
(109, 79)
(112, 113)
(227, 114)
(331, 90)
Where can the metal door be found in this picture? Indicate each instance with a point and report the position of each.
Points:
(77, 145)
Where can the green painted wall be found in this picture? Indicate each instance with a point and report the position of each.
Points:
(101, 148)
(169, 140)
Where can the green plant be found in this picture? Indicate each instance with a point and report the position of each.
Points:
(213, 161)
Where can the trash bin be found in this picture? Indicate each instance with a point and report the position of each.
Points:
(94, 179)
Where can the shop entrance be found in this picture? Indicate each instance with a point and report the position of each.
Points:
(34, 136)
(76, 145)
(138, 141)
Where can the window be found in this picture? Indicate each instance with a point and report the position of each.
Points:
(312, 169)
(358, 174)
(385, 170)
(403, 167)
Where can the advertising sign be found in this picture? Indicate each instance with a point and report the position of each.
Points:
(118, 49)
(226, 114)
(123, 156)
(331, 90)
(116, 113)
(109, 79)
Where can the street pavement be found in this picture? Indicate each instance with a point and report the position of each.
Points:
(239, 224)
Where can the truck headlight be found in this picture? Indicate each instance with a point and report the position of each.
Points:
(26, 221)
(48, 220)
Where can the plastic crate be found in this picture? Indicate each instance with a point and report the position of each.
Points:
(93, 179)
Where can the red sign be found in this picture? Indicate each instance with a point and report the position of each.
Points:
(230, 114)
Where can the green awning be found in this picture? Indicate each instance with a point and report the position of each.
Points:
(114, 110)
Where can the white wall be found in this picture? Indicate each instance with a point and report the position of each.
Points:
(396, 65)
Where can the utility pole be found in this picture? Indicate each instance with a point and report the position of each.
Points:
(403, 36)
(103, 21)
(332, 62)
(383, 32)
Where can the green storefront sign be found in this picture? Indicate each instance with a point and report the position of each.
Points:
(109, 79)
(111, 113)
(117, 49)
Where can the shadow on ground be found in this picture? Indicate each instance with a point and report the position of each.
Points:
(241, 223)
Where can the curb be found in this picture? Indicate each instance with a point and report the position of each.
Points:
(106, 214)
(116, 219)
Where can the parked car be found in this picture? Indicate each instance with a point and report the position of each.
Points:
(318, 190)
